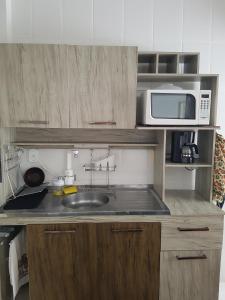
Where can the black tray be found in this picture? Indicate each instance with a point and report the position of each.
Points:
(30, 201)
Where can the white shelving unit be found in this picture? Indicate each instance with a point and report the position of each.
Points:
(181, 69)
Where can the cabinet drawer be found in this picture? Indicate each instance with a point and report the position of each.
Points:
(192, 233)
(189, 275)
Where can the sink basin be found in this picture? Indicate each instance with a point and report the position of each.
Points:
(85, 199)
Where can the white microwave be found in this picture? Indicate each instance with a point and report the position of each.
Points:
(174, 107)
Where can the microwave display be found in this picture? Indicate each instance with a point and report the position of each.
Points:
(173, 106)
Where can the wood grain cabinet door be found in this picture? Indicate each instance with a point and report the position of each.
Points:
(60, 262)
(34, 86)
(102, 86)
(189, 275)
(94, 261)
(128, 261)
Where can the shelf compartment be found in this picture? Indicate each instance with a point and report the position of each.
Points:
(206, 80)
(196, 165)
(198, 180)
(188, 63)
(147, 63)
(204, 138)
(178, 128)
(167, 63)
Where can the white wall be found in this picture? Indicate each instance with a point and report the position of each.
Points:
(175, 25)
(132, 166)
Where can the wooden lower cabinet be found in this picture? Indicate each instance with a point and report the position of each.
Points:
(189, 275)
(105, 261)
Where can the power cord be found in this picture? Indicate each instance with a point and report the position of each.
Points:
(8, 176)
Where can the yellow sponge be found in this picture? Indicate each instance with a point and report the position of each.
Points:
(70, 189)
(58, 193)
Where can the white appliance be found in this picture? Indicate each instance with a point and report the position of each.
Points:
(174, 107)
(6, 235)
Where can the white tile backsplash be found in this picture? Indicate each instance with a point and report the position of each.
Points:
(197, 22)
(138, 23)
(221, 111)
(46, 21)
(218, 25)
(77, 21)
(168, 21)
(205, 53)
(108, 22)
(218, 60)
(3, 37)
(133, 166)
(21, 20)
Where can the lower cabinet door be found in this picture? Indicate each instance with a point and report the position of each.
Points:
(128, 261)
(59, 259)
(189, 275)
(107, 261)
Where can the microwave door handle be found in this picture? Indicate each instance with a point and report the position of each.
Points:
(189, 107)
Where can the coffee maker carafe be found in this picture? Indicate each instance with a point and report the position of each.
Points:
(183, 148)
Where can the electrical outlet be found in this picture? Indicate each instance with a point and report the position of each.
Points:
(33, 155)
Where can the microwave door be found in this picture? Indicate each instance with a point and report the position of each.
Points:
(173, 109)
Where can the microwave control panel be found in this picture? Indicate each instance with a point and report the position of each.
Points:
(205, 103)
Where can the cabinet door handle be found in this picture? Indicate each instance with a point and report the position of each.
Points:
(203, 256)
(102, 123)
(59, 231)
(33, 122)
(193, 229)
(127, 230)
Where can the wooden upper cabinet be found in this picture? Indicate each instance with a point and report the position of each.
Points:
(102, 86)
(33, 80)
(61, 86)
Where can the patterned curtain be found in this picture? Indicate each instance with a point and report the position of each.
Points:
(219, 171)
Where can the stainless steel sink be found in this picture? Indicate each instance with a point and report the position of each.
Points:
(85, 199)
(100, 200)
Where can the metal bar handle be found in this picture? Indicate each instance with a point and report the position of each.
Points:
(193, 229)
(203, 256)
(59, 231)
(127, 230)
(103, 123)
(33, 122)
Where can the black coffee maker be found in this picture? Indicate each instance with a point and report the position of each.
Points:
(183, 148)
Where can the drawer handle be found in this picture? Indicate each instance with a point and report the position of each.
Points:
(191, 257)
(102, 123)
(127, 230)
(193, 229)
(33, 122)
(59, 231)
